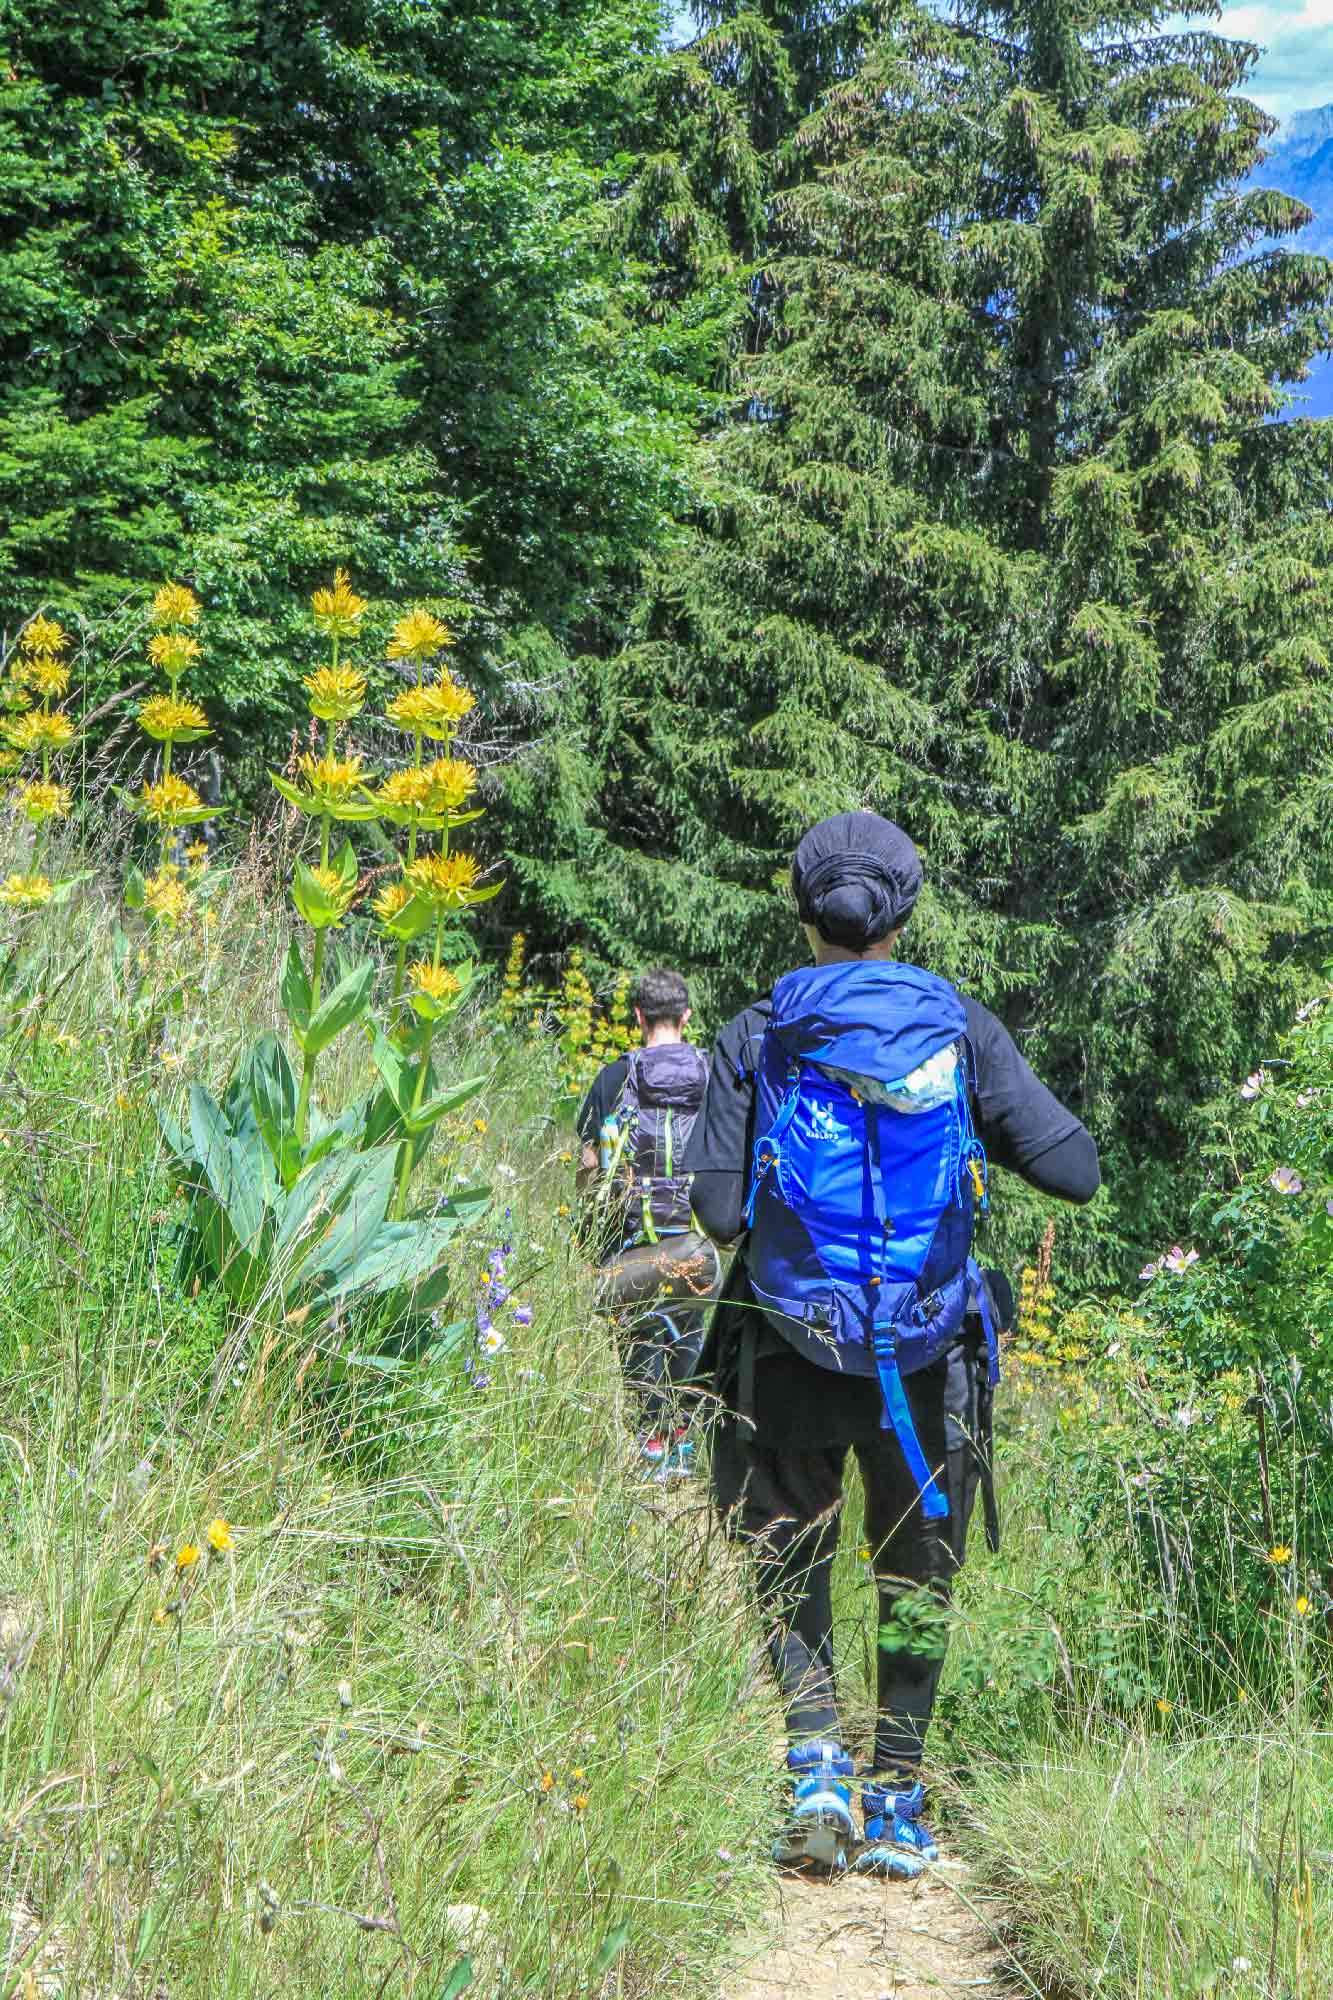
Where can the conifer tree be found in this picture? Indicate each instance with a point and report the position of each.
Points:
(292, 286)
(1005, 543)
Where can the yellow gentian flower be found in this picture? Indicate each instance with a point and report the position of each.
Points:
(392, 901)
(173, 652)
(169, 718)
(40, 801)
(47, 675)
(338, 612)
(166, 898)
(419, 636)
(436, 982)
(336, 693)
(330, 777)
(434, 711)
(168, 799)
(38, 730)
(451, 781)
(445, 881)
(26, 892)
(43, 635)
(174, 604)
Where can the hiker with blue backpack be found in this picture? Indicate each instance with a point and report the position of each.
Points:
(845, 1140)
(659, 1273)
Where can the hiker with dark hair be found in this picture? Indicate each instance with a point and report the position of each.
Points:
(846, 1136)
(659, 1272)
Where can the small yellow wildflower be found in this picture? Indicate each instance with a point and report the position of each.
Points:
(563, 1208)
(338, 612)
(580, 1802)
(435, 981)
(187, 1555)
(431, 711)
(49, 676)
(168, 799)
(174, 604)
(1242, 1696)
(159, 1616)
(339, 893)
(418, 636)
(330, 777)
(40, 801)
(39, 730)
(1164, 1707)
(169, 718)
(1279, 1555)
(124, 1102)
(445, 881)
(391, 901)
(166, 898)
(220, 1536)
(197, 854)
(173, 652)
(1302, 1606)
(43, 635)
(408, 790)
(25, 892)
(451, 782)
(578, 1774)
(479, 1126)
(547, 1781)
(336, 693)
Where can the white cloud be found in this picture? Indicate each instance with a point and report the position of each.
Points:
(1295, 71)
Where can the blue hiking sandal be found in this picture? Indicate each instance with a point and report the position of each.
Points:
(820, 1827)
(898, 1842)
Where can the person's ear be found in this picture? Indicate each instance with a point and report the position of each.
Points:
(638, 1015)
(685, 1017)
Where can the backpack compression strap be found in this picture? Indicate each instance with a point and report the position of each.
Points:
(884, 1338)
(768, 1147)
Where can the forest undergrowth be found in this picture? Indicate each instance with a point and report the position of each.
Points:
(328, 1664)
(377, 1677)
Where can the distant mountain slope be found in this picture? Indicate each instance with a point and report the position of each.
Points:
(1300, 163)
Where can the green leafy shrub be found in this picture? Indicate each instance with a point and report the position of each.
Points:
(1200, 1431)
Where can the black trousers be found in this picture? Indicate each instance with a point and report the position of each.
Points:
(658, 1296)
(785, 1504)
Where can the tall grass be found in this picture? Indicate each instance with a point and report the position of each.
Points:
(1142, 1847)
(465, 1701)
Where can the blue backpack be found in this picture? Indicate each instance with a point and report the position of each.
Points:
(867, 1174)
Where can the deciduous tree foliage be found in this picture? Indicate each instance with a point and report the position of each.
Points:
(1005, 543)
(292, 285)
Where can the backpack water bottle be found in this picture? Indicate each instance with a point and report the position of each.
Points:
(867, 1174)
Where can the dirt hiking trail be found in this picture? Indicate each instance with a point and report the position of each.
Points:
(858, 1939)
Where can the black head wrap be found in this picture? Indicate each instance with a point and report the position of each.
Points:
(855, 878)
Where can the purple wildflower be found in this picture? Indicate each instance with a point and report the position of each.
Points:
(522, 1315)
